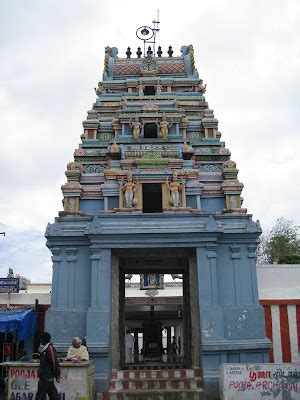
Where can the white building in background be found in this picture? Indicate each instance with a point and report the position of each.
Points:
(278, 289)
(279, 293)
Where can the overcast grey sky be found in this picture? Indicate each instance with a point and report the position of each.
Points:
(52, 55)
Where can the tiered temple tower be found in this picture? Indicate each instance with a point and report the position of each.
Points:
(152, 180)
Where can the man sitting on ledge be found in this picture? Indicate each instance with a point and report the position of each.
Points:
(77, 352)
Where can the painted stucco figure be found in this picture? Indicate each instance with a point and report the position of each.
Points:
(159, 89)
(136, 126)
(129, 190)
(164, 126)
(175, 187)
(114, 148)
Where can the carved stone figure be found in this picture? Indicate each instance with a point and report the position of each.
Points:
(201, 87)
(136, 125)
(186, 148)
(114, 148)
(230, 164)
(73, 166)
(179, 150)
(152, 280)
(175, 187)
(164, 126)
(10, 273)
(149, 64)
(100, 89)
(140, 88)
(129, 190)
(71, 204)
(159, 88)
(233, 201)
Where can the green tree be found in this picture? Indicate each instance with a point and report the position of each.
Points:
(280, 245)
(23, 281)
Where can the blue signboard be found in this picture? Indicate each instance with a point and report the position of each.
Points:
(9, 285)
(151, 281)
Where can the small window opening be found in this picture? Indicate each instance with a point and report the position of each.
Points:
(152, 198)
(150, 131)
(90, 134)
(210, 132)
(149, 91)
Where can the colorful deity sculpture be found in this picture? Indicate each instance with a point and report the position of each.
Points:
(159, 88)
(129, 191)
(164, 126)
(136, 126)
(174, 187)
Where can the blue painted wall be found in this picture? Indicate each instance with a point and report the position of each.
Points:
(91, 206)
(231, 319)
(214, 204)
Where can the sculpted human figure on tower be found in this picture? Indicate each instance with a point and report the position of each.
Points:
(164, 126)
(136, 125)
(129, 190)
(175, 187)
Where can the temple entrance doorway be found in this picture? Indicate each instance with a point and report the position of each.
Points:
(154, 307)
(154, 316)
(150, 131)
(149, 91)
(152, 198)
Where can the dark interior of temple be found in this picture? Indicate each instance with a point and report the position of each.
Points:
(149, 91)
(152, 198)
(150, 131)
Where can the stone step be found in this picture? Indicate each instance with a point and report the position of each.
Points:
(147, 366)
(154, 374)
(154, 395)
(156, 383)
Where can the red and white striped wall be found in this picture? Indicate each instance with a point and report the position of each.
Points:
(283, 329)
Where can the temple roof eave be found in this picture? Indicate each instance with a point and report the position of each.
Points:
(153, 79)
(163, 227)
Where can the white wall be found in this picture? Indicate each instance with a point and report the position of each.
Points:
(278, 281)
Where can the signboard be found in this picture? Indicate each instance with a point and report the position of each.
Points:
(76, 382)
(9, 285)
(260, 381)
(151, 281)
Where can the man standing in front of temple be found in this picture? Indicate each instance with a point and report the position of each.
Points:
(48, 370)
(129, 342)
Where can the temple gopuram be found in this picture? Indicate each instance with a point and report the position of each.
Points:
(153, 192)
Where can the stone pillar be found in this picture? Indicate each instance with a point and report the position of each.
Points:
(117, 127)
(168, 339)
(235, 256)
(207, 274)
(98, 315)
(56, 259)
(180, 336)
(121, 194)
(252, 260)
(183, 196)
(136, 341)
(71, 260)
(105, 203)
(115, 316)
(211, 312)
(67, 316)
(184, 124)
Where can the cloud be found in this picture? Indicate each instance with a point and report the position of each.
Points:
(25, 252)
(247, 52)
